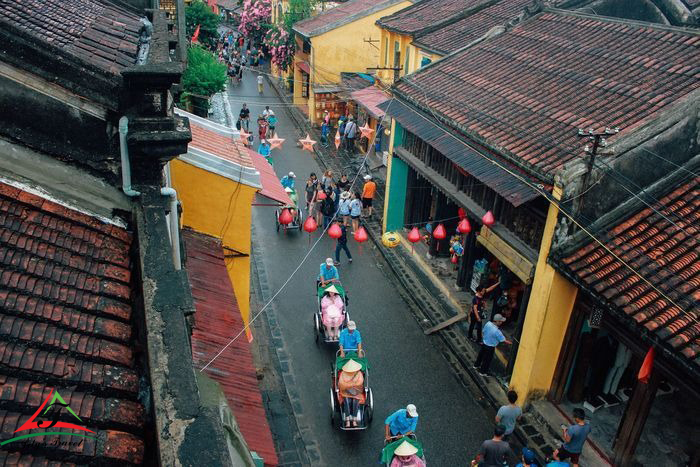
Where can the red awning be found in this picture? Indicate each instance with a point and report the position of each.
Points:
(304, 66)
(271, 186)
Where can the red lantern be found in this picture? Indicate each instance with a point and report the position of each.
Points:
(439, 233)
(285, 217)
(361, 235)
(463, 227)
(321, 196)
(310, 225)
(414, 235)
(488, 219)
(334, 231)
(453, 260)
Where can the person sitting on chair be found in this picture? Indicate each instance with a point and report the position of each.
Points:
(332, 312)
(293, 197)
(351, 385)
(406, 456)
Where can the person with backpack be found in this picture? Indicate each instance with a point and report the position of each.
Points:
(328, 208)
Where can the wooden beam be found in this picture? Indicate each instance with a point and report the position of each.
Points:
(458, 317)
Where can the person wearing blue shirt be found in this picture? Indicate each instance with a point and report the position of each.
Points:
(350, 340)
(575, 437)
(492, 336)
(264, 150)
(401, 422)
(288, 180)
(328, 273)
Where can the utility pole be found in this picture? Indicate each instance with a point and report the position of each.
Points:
(599, 141)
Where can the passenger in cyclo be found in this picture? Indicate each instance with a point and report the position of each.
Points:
(328, 273)
(350, 341)
(406, 456)
(332, 312)
(293, 207)
(351, 387)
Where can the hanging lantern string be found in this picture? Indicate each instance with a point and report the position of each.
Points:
(303, 260)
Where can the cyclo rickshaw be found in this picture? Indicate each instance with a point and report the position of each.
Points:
(319, 328)
(297, 214)
(394, 447)
(365, 410)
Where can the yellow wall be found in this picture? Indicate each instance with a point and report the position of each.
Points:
(548, 312)
(205, 208)
(389, 38)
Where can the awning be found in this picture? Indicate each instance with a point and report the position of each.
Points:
(327, 88)
(503, 183)
(271, 186)
(370, 98)
(304, 66)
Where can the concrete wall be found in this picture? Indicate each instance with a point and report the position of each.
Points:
(220, 207)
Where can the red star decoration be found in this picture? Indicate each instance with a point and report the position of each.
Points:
(337, 139)
(275, 142)
(244, 136)
(366, 131)
(307, 143)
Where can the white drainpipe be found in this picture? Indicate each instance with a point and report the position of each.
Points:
(173, 218)
(124, 152)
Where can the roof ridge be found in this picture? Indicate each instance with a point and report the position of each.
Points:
(456, 17)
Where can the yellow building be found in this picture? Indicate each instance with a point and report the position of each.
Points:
(216, 181)
(342, 39)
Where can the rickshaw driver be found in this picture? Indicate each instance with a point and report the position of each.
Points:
(288, 180)
(402, 422)
(328, 273)
(350, 339)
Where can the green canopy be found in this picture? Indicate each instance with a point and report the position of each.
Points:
(388, 451)
(322, 290)
(341, 361)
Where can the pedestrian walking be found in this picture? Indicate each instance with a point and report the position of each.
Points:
(266, 112)
(327, 179)
(492, 337)
(311, 189)
(477, 313)
(494, 452)
(271, 124)
(528, 459)
(344, 207)
(344, 183)
(262, 127)
(402, 422)
(574, 436)
(325, 127)
(509, 414)
(244, 117)
(350, 135)
(368, 191)
(342, 245)
(328, 209)
(355, 211)
(260, 85)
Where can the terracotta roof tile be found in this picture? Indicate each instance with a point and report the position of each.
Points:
(97, 31)
(66, 325)
(228, 148)
(423, 14)
(344, 13)
(217, 319)
(508, 88)
(667, 257)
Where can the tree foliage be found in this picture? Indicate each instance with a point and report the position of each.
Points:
(280, 39)
(204, 74)
(255, 19)
(199, 13)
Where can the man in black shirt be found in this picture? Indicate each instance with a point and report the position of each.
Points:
(244, 117)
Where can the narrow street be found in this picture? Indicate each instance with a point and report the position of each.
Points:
(405, 367)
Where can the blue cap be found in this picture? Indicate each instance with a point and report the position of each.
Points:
(528, 455)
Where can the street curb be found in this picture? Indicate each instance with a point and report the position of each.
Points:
(309, 451)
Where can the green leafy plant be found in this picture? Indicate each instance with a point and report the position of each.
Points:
(200, 14)
(204, 75)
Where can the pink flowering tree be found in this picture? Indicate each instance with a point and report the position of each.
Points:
(255, 19)
(280, 43)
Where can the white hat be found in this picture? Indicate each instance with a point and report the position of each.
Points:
(329, 261)
(405, 449)
(291, 175)
(332, 289)
(288, 190)
(345, 195)
(411, 409)
(351, 325)
(352, 366)
(498, 318)
(368, 177)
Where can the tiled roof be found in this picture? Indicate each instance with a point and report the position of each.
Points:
(370, 98)
(344, 13)
(666, 255)
(227, 147)
(271, 185)
(423, 14)
(66, 324)
(96, 31)
(465, 30)
(526, 92)
(217, 320)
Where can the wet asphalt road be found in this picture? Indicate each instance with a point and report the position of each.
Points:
(405, 367)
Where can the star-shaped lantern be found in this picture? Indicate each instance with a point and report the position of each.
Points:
(337, 139)
(276, 142)
(307, 143)
(244, 136)
(366, 131)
